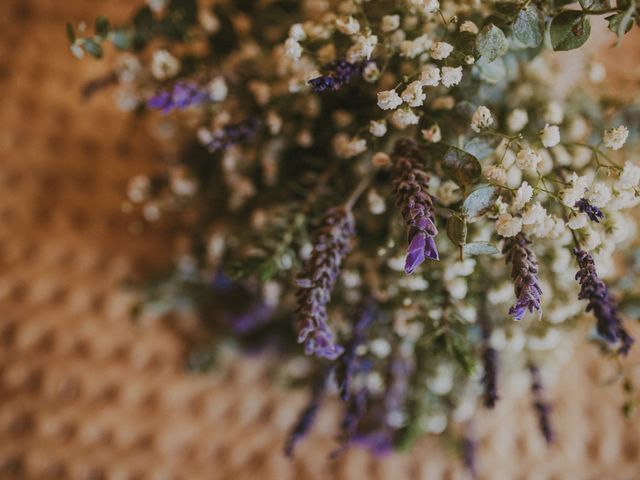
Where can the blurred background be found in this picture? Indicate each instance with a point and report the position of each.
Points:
(85, 393)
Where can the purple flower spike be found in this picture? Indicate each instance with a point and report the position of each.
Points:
(594, 213)
(307, 417)
(339, 74)
(410, 187)
(524, 273)
(608, 325)
(541, 406)
(182, 95)
(331, 244)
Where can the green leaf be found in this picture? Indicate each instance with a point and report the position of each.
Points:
(93, 48)
(481, 146)
(569, 30)
(529, 26)
(457, 230)
(595, 4)
(102, 26)
(491, 42)
(479, 201)
(71, 34)
(122, 38)
(492, 72)
(621, 23)
(480, 248)
(461, 166)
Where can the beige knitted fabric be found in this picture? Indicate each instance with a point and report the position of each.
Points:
(86, 394)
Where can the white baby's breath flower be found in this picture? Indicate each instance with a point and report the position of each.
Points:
(164, 65)
(371, 72)
(441, 50)
(347, 25)
(208, 20)
(451, 76)
(570, 195)
(599, 195)
(550, 135)
(415, 47)
(469, 26)
(430, 76)
(432, 134)
(553, 113)
(378, 128)
(403, 117)
(622, 200)
(389, 100)
(577, 221)
(376, 202)
(428, 6)
(522, 196)
(390, 23)
(517, 120)
(597, 72)
(496, 173)
(534, 214)
(293, 49)
(362, 48)
(591, 239)
(614, 138)
(527, 159)
(296, 31)
(629, 177)
(217, 89)
(508, 226)
(157, 6)
(347, 147)
(413, 94)
(481, 119)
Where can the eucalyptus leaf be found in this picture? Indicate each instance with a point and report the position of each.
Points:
(621, 23)
(569, 30)
(480, 248)
(491, 42)
(481, 146)
(480, 201)
(595, 4)
(461, 166)
(93, 48)
(457, 230)
(102, 26)
(492, 72)
(529, 26)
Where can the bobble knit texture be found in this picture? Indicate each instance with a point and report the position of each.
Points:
(331, 244)
(524, 273)
(410, 187)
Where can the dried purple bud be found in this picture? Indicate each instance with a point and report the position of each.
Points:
(594, 213)
(339, 74)
(331, 244)
(541, 406)
(182, 95)
(524, 273)
(233, 134)
(410, 187)
(608, 325)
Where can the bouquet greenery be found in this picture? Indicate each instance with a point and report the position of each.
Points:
(405, 200)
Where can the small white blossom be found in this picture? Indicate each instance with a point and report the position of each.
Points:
(517, 120)
(496, 173)
(527, 159)
(430, 76)
(629, 177)
(390, 23)
(217, 89)
(376, 202)
(522, 196)
(508, 226)
(553, 113)
(389, 100)
(362, 49)
(623, 199)
(164, 65)
(428, 6)
(296, 31)
(347, 147)
(575, 192)
(413, 94)
(293, 49)
(591, 240)
(208, 20)
(614, 138)
(347, 25)
(157, 6)
(534, 214)
(481, 119)
(599, 195)
(371, 72)
(578, 221)
(441, 50)
(469, 26)
(432, 134)
(448, 193)
(550, 135)
(404, 117)
(378, 128)
(415, 47)
(451, 76)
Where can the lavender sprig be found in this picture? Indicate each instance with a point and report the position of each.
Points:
(541, 406)
(231, 134)
(410, 187)
(331, 244)
(350, 363)
(594, 213)
(182, 95)
(339, 74)
(524, 273)
(307, 417)
(592, 288)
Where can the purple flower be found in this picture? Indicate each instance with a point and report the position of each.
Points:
(608, 324)
(490, 376)
(594, 213)
(307, 417)
(541, 406)
(354, 411)
(339, 74)
(410, 187)
(469, 447)
(524, 274)
(331, 244)
(233, 134)
(182, 95)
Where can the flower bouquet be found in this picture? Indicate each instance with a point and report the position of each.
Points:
(405, 202)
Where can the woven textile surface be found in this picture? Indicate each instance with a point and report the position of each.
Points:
(87, 394)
